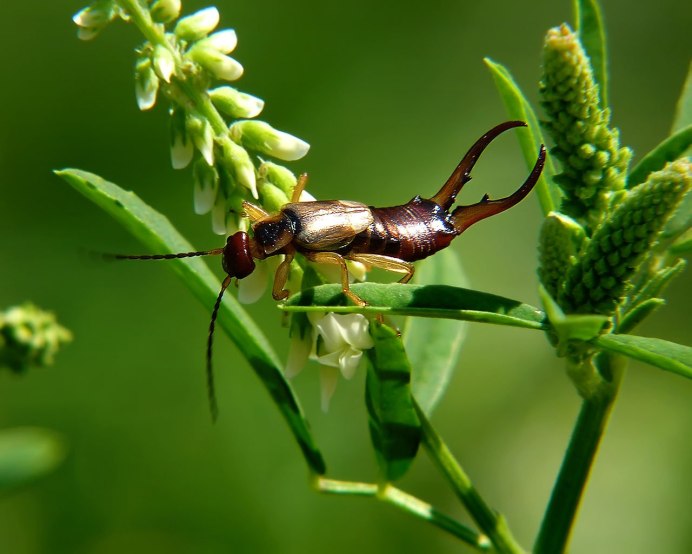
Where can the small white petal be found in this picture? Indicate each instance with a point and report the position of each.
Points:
(181, 152)
(329, 377)
(358, 271)
(165, 11)
(219, 65)
(94, 17)
(287, 147)
(329, 328)
(224, 41)
(305, 196)
(355, 330)
(252, 287)
(218, 217)
(87, 33)
(206, 187)
(146, 84)
(349, 361)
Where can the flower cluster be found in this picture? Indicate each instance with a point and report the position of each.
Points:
(594, 165)
(29, 337)
(335, 341)
(186, 59)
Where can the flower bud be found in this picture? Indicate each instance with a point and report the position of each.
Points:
(164, 63)
(271, 197)
(560, 241)
(262, 137)
(181, 146)
(224, 41)
(198, 25)
(219, 212)
(238, 160)
(206, 179)
(165, 11)
(92, 19)
(235, 103)
(146, 84)
(279, 176)
(220, 66)
(199, 129)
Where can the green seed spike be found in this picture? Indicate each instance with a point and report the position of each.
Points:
(593, 164)
(560, 241)
(598, 281)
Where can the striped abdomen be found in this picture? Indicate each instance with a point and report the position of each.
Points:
(410, 232)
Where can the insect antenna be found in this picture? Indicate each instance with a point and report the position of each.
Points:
(462, 174)
(214, 252)
(211, 391)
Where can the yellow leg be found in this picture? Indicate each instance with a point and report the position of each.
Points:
(300, 187)
(255, 213)
(336, 259)
(281, 276)
(387, 263)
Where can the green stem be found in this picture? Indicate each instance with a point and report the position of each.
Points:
(409, 504)
(492, 523)
(576, 466)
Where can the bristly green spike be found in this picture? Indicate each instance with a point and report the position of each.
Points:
(560, 241)
(598, 281)
(593, 164)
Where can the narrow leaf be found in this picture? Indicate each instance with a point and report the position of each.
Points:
(592, 36)
(157, 234)
(519, 108)
(657, 352)
(434, 345)
(639, 313)
(440, 301)
(683, 110)
(27, 454)
(668, 150)
(394, 425)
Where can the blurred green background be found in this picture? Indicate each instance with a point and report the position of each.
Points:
(390, 95)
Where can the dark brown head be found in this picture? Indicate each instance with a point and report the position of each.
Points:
(237, 258)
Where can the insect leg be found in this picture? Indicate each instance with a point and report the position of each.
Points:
(300, 187)
(336, 259)
(387, 263)
(281, 276)
(255, 213)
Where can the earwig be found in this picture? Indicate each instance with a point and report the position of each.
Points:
(333, 231)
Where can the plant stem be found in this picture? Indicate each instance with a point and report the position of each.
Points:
(576, 466)
(408, 503)
(493, 524)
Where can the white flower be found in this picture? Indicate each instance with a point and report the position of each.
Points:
(182, 149)
(260, 136)
(202, 135)
(92, 19)
(165, 11)
(219, 65)
(235, 103)
(338, 341)
(146, 84)
(198, 25)
(164, 63)
(224, 41)
(206, 179)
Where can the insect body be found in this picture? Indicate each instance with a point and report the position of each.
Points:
(333, 231)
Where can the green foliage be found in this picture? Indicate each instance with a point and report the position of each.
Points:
(26, 454)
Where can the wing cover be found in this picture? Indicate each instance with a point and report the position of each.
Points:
(327, 224)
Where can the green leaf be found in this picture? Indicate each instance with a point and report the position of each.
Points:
(587, 14)
(670, 356)
(639, 313)
(420, 300)
(27, 454)
(156, 233)
(394, 425)
(519, 108)
(668, 150)
(434, 345)
(683, 110)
